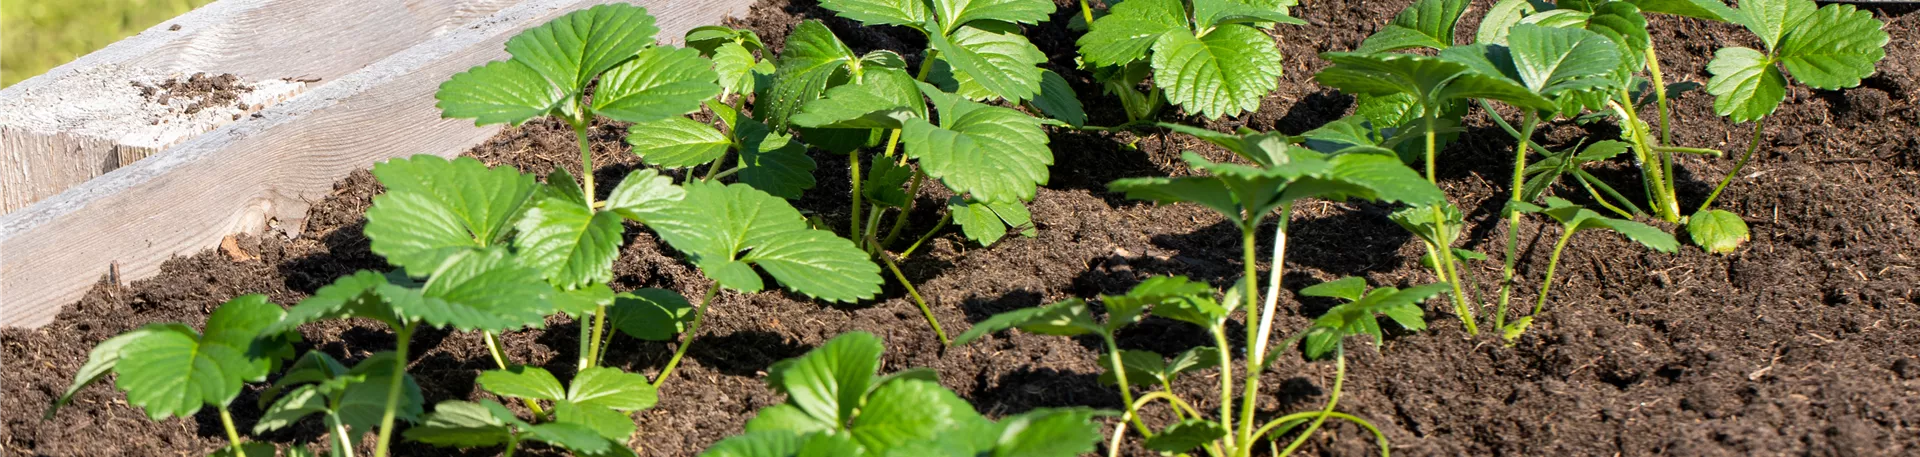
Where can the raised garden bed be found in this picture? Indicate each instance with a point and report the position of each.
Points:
(1805, 341)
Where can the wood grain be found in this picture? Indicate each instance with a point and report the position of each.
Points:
(234, 179)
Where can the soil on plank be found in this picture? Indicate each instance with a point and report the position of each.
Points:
(1805, 342)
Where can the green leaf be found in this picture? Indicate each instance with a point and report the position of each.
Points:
(460, 424)
(880, 99)
(170, 372)
(1208, 192)
(1834, 47)
(777, 443)
(569, 243)
(1577, 218)
(500, 92)
(991, 153)
(1503, 16)
(1357, 317)
(714, 223)
(477, 290)
(661, 82)
(1057, 100)
(298, 404)
(363, 403)
(812, 61)
(710, 38)
(644, 191)
(435, 209)
(1143, 368)
(573, 49)
(737, 69)
(1717, 231)
(881, 12)
(829, 382)
(786, 417)
(522, 382)
(986, 223)
(608, 423)
(612, 388)
(1425, 24)
(883, 182)
(1208, 14)
(1225, 73)
(1746, 85)
(1185, 436)
(998, 61)
(1049, 432)
(1712, 10)
(1428, 79)
(956, 13)
(1772, 20)
(1200, 357)
(1129, 30)
(677, 142)
(1549, 60)
(1349, 288)
(100, 361)
(354, 295)
(650, 314)
(774, 162)
(571, 436)
(906, 411)
(1067, 318)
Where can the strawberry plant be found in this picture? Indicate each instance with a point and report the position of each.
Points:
(1212, 58)
(1279, 175)
(1574, 219)
(1181, 299)
(1829, 47)
(837, 406)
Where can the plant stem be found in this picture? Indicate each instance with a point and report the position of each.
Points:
(944, 219)
(1754, 145)
(1660, 94)
(900, 221)
(340, 434)
(1553, 261)
(402, 337)
(1226, 383)
(233, 436)
(1512, 213)
(1655, 164)
(699, 316)
(513, 442)
(1126, 389)
(1275, 267)
(853, 164)
(1339, 377)
(1256, 324)
(586, 159)
(1443, 251)
(1290, 420)
(585, 352)
(599, 347)
(1086, 12)
(500, 359)
(922, 303)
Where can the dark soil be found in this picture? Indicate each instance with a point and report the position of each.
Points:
(1802, 343)
(200, 91)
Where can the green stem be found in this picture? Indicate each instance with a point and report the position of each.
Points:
(853, 163)
(1226, 383)
(513, 442)
(1276, 265)
(723, 174)
(1443, 251)
(500, 359)
(699, 316)
(1290, 420)
(1655, 164)
(1585, 183)
(403, 336)
(874, 211)
(1553, 261)
(1255, 330)
(586, 158)
(922, 303)
(1339, 377)
(1754, 145)
(1660, 94)
(340, 434)
(599, 347)
(1512, 214)
(900, 221)
(233, 436)
(585, 357)
(1086, 12)
(944, 219)
(1126, 389)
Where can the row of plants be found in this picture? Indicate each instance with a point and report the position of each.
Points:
(726, 132)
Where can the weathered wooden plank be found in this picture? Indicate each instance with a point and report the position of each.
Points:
(233, 179)
(86, 118)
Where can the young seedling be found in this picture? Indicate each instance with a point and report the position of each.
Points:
(838, 406)
(1574, 219)
(1828, 48)
(591, 416)
(170, 370)
(1211, 58)
(1432, 86)
(350, 401)
(1183, 300)
(465, 424)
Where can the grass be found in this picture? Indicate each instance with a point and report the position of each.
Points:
(37, 35)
